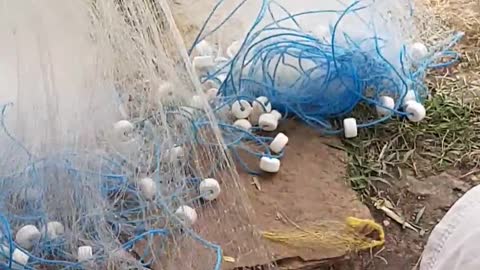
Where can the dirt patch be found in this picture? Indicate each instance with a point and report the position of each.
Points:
(310, 188)
(403, 247)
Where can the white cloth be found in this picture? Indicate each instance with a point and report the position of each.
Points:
(454, 243)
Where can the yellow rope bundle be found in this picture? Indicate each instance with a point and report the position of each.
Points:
(353, 235)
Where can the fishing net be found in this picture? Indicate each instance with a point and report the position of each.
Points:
(325, 62)
(107, 162)
(116, 148)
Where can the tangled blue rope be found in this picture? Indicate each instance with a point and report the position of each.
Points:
(321, 79)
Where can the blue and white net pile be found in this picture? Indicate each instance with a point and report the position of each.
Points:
(115, 156)
(323, 61)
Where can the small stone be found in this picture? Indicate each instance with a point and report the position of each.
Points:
(386, 223)
(229, 259)
(458, 185)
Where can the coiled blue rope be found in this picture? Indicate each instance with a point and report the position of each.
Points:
(330, 76)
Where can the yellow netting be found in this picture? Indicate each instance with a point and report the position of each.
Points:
(353, 235)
